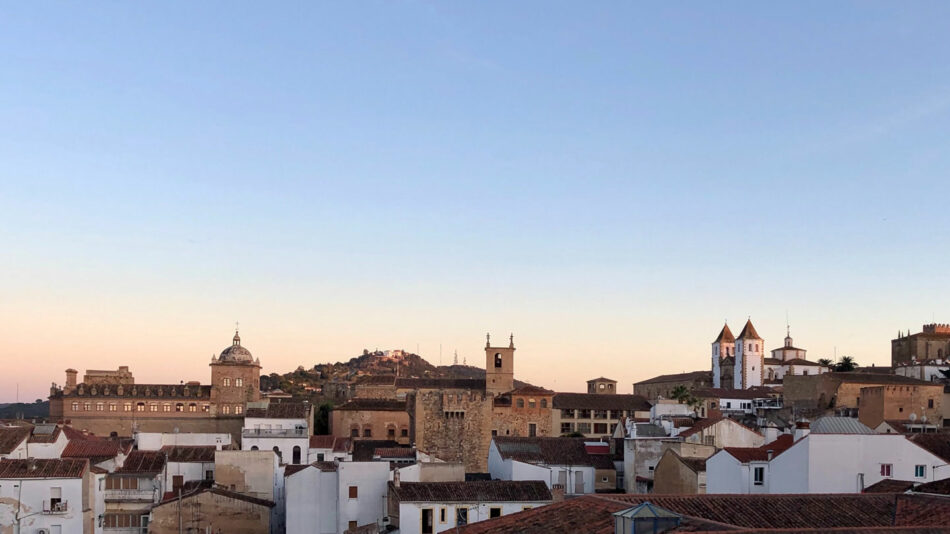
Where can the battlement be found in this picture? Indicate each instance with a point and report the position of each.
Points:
(936, 328)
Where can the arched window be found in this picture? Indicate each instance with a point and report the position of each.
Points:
(520, 403)
(140, 407)
(497, 359)
(192, 407)
(277, 450)
(179, 407)
(254, 447)
(296, 454)
(354, 432)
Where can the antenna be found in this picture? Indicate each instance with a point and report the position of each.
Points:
(455, 361)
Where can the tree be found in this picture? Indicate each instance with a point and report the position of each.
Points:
(825, 362)
(321, 423)
(680, 393)
(846, 364)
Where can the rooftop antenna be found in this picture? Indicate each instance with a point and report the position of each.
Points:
(455, 361)
(788, 329)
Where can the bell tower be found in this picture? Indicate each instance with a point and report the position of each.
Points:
(499, 367)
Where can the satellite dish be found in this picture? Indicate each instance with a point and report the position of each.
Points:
(912, 417)
(923, 418)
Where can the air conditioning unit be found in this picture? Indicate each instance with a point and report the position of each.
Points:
(385, 520)
(42, 531)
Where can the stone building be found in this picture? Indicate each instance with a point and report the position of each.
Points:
(371, 418)
(206, 508)
(110, 402)
(595, 415)
(931, 343)
(602, 386)
(662, 386)
(839, 390)
(901, 403)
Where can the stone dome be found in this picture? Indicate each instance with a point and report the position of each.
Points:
(236, 353)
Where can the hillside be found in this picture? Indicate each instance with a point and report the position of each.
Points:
(311, 382)
(24, 410)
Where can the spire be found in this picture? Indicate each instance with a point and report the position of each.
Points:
(487, 340)
(237, 339)
(725, 335)
(511, 341)
(748, 331)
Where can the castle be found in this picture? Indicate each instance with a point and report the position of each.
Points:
(111, 403)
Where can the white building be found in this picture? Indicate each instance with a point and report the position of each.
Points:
(750, 354)
(329, 448)
(13, 441)
(722, 432)
(154, 441)
(642, 450)
(330, 497)
(46, 441)
(789, 360)
(929, 370)
(433, 507)
(724, 346)
(282, 427)
(51, 494)
(562, 461)
(837, 455)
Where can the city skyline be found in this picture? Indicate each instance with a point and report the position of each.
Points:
(608, 183)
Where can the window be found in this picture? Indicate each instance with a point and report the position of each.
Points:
(497, 360)
(296, 455)
(532, 430)
(930, 403)
(584, 414)
(461, 516)
(351, 526)
(226, 409)
(179, 407)
(153, 407)
(603, 479)
(494, 512)
(354, 432)
(167, 407)
(520, 403)
(127, 407)
(532, 403)
(354, 492)
(404, 433)
(886, 470)
(600, 414)
(205, 407)
(710, 440)
(239, 409)
(75, 406)
(583, 428)
(227, 381)
(567, 428)
(367, 433)
(238, 382)
(568, 414)
(391, 433)
(443, 513)
(87, 406)
(600, 428)
(920, 471)
(113, 407)
(759, 476)
(100, 406)
(192, 407)
(544, 403)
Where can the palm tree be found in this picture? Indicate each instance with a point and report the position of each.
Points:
(680, 393)
(845, 364)
(825, 362)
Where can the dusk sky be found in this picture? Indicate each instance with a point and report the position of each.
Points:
(609, 181)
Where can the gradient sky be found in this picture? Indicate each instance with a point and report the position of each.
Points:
(609, 182)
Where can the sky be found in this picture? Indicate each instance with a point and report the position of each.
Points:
(609, 181)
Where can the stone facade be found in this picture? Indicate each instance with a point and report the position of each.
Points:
(372, 418)
(452, 425)
(112, 403)
(663, 386)
(216, 510)
(836, 390)
(931, 343)
(917, 403)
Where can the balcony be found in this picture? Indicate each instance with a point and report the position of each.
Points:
(767, 404)
(275, 433)
(130, 495)
(55, 507)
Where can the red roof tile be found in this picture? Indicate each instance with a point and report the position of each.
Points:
(889, 485)
(143, 462)
(204, 454)
(475, 491)
(725, 335)
(322, 442)
(761, 454)
(37, 468)
(703, 424)
(748, 331)
(95, 449)
(12, 436)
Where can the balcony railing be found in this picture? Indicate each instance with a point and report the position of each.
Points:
(275, 433)
(768, 404)
(55, 507)
(130, 495)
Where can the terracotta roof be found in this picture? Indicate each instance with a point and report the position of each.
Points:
(683, 422)
(761, 454)
(322, 442)
(922, 510)
(748, 331)
(703, 424)
(530, 390)
(595, 401)
(13, 436)
(680, 377)
(328, 467)
(372, 405)
(43, 468)
(45, 434)
(294, 469)
(156, 391)
(440, 383)
(181, 454)
(889, 485)
(936, 443)
(941, 487)
(477, 491)
(551, 451)
(281, 410)
(72, 433)
(143, 462)
(363, 448)
(773, 361)
(343, 445)
(802, 361)
(94, 449)
(725, 335)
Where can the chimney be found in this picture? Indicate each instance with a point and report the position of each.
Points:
(396, 478)
(70, 380)
(802, 428)
(770, 452)
(557, 492)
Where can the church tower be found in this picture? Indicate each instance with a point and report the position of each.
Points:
(723, 347)
(750, 358)
(235, 379)
(499, 367)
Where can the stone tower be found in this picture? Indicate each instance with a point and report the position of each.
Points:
(499, 367)
(750, 358)
(723, 347)
(235, 379)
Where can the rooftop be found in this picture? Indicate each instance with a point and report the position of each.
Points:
(748, 331)
(281, 410)
(551, 451)
(703, 424)
(596, 401)
(96, 450)
(679, 377)
(839, 425)
(124, 391)
(12, 436)
(373, 405)
(149, 462)
(37, 468)
(937, 443)
(182, 454)
(761, 454)
(476, 491)
(725, 335)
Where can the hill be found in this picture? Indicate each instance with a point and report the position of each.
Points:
(22, 410)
